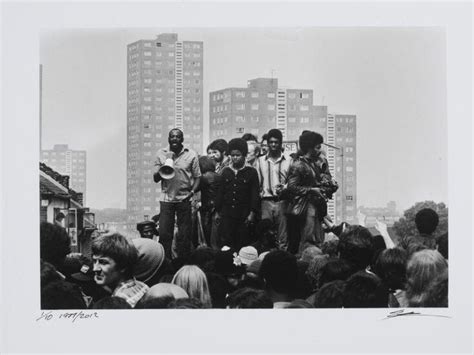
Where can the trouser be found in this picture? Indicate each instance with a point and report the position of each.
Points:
(304, 230)
(233, 232)
(275, 211)
(311, 229)
(207, 221)
(182, 211)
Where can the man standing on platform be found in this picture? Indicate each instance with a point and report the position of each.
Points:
(177, 193)
(272, 170)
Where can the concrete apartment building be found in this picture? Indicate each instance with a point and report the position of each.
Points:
(341, 133)
(72, 163)
(164, 90)
(261, 106)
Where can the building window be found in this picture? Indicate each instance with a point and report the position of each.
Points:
(240, 107)
(271, 107)
(304, 108)
(304, 95)
(271, 95)
(291, 119)
(291, 95)
(304, 119)
(349, 149)
(254, 94)
(349, 169)
(254, 106)
(171, 54)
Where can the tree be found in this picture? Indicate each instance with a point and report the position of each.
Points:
(406, 225)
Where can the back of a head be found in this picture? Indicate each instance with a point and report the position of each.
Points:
(74, 262)
(330, 295)
(249, 298)
(165, 289)
(426, 221)
(54, 244)
(313, 273)
(62, 295)
(111, 302)
(423, 267)
(355, 246)
(162, 302)
(391, 268)
(218, 288)
(335, 269)
(204, 258)
(150, 258)
(310, 252)
(365, 290)
(436, 294)
(206, 164)
(193, 280)
(118, 248)
(48, 273)
(330, 247)
(186, 303)
(279, 270)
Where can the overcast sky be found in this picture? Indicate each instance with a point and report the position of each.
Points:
(393, 79)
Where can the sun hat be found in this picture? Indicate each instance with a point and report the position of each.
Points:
(248, 255)
(151, 255)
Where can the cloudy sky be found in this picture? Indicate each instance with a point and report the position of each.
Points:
(393, 79)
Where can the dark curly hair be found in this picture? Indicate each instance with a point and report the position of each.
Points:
(426, 220)
(309, 140)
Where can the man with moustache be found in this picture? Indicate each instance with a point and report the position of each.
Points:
(175, 201)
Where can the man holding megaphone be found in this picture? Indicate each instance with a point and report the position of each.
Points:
(177, 167)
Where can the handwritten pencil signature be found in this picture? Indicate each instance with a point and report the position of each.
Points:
(403, 312)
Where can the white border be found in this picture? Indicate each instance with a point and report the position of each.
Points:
(288, 331)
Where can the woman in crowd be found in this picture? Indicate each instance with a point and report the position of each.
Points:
(193, 280)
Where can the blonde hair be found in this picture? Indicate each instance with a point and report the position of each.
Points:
(193, 280)
(423, 267)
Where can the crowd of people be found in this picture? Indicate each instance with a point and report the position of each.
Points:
(246, 226)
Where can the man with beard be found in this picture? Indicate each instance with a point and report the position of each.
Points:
(177, 192)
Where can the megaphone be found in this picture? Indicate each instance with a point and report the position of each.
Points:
(167, 170)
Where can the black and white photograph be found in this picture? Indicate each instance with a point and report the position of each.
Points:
(207, 175)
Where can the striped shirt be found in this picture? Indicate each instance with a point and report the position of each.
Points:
(272, 173)
(131, 291)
